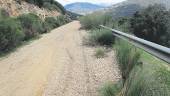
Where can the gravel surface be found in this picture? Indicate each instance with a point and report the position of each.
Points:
(82, 74)
(56, 65)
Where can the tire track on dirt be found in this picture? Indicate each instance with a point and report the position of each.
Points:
(82, 73)
(56, 65)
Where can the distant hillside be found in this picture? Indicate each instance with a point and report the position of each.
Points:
(73, 16)
(82, 8)
(129, 7)
(124, 10)
(145, 3)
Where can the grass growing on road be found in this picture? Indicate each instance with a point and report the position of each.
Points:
(100, 53)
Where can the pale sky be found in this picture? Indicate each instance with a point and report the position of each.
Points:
(64, 2)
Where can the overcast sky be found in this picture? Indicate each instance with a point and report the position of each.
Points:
(64, 2)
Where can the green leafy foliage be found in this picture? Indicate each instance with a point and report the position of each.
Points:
(122, 24)
(111, 89)
(53, 22)
(92, 21)
(31, 24)
(13, 31)
(10, 34)
(101, 37)
(50, 23)
(152, 24)
(128, 57)
(148, 80)
(62, 19)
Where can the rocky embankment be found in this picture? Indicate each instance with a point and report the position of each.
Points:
(18, 7)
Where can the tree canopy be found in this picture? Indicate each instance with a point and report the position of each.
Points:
(152, 24)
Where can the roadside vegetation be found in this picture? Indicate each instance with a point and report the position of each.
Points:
(100, 37)
(97, 35)
(16, 30)
(100, 53)
(92, 21)
(31, 24)
(142, 74)
(53, 22)
(152, 24)
(127, 56)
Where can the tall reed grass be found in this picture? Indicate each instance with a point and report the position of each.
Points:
(145, 79)
(127, 56)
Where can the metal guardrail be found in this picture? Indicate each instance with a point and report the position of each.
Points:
(157, 50)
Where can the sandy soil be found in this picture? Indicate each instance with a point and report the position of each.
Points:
(56, 65)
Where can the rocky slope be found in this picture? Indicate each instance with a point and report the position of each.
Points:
(15, 8)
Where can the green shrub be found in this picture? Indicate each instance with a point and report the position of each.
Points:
(122, 24)
(10, 34)
(54, 22)
(93, 21)
(51, 23)
(101, 37)
(127, 57)
(50, 6)
(62, 20)
(31, 24)
(100, 53)
(111, 89)
(152, 24)
(140, 79)
(148, 80)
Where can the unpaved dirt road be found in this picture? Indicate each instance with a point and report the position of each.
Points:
(56, 65)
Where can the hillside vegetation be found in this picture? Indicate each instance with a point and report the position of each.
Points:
(16, 30)
(142, 74)
(49, 4)
(23, 27)
(152, 24)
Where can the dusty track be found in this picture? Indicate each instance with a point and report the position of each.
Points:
(56, 65)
